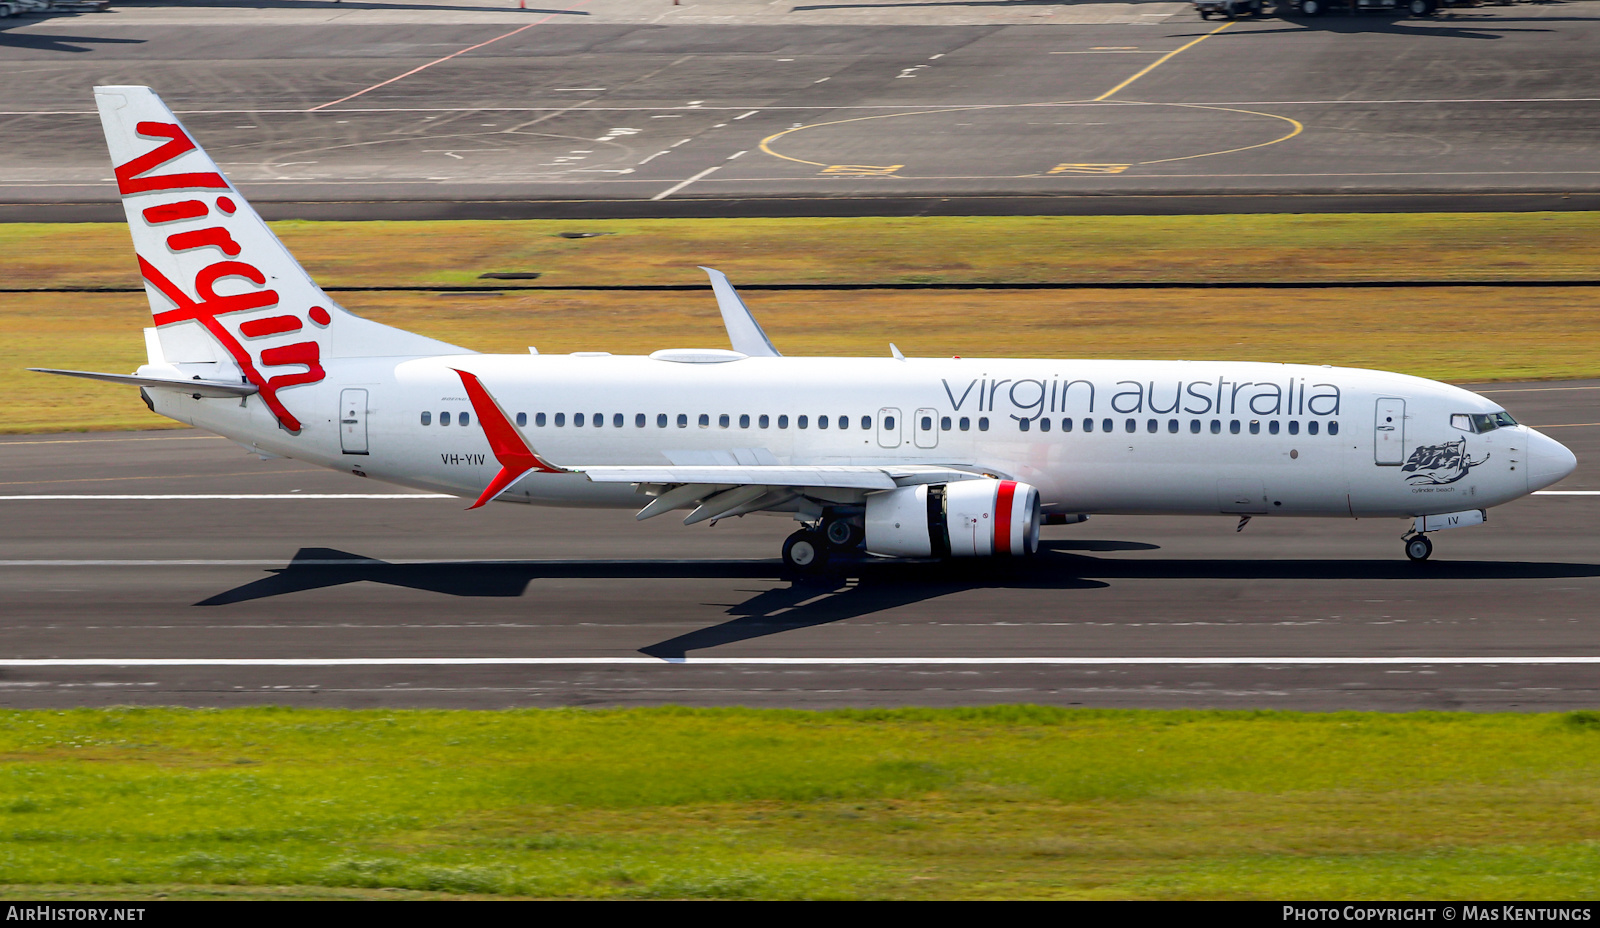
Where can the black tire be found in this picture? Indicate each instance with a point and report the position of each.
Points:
(842, 534)
(1311, 7)
(1205, 14)
(805, 552)
(1418, 548)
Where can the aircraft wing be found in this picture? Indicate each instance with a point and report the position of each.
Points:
(844, 476)
(719, 490)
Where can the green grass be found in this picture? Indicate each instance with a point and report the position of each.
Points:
(1012, 802)
(1308, 247)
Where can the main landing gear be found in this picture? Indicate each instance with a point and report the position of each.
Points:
(805, 552)
(809, 550)
(1418, 547)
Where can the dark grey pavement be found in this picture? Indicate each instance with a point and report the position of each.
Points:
(373, 579)
(1489, 107)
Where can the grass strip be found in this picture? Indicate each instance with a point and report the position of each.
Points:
(979, 249)
(1466, 333)
(1006, 801)
(1460, 334)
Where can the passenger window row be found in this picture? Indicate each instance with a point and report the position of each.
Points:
(1196, 426)
(464, 418)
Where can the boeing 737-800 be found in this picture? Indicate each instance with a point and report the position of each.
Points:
(894, 456)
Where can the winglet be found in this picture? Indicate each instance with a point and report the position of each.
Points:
(513, 453)
(743, 330)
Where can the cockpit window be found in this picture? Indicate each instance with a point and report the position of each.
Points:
(1482, 422)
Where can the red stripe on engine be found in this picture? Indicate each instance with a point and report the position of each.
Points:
(1002, 516)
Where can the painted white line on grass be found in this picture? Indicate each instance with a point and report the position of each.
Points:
(758, 661)
(161, 496)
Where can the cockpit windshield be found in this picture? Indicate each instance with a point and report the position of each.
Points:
(1482, 422)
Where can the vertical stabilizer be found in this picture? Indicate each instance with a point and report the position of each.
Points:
(222, 288)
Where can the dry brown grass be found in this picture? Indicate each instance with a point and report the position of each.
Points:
(1458, 333)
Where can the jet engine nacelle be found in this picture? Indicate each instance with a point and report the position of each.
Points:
(968, 518)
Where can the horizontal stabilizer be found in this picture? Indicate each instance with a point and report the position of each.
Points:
(202, 387)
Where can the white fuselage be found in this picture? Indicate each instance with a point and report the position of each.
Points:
(1098, 436)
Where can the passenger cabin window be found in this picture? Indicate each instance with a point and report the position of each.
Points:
(1273, 426)
(538, 419)
(1023, 424)
(599, 419)
(866, 423)
(427, 417)
(1194, 426)
(705, 420)
(1255, 426)
(801, 422)
(1066, 425)
(1044, 424)
(661, 420)
(944, 423)
(965, 424)
(683, 420)
(1106, 425)
(444, 418)
(927, 423)
(1311, 427)
(744, 420)
(1088, 425)
(1216, 426)
(983, 423)
(1294, 427)
(464, 418)
(822, 422)
(764, 422)
(1333, 427)
(722, 421)
(783, 422)
(844, 422)
(616, 420)
(638, 421)
(522, 419)
(1151, 426)
(1172, 426)
(1233, 426)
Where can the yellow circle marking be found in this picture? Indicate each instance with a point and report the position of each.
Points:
(1296, 130)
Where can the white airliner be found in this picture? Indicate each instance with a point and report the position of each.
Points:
(895, 456)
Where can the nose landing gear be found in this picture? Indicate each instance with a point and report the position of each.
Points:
(1418, 547)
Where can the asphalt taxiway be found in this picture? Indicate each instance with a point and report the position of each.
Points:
(402, 110)
(172, 568)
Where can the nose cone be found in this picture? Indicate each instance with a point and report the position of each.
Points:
(1548, 461)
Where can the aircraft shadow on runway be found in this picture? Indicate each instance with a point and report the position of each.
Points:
(858, 587)
(54, 43)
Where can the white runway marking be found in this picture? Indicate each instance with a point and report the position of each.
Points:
(759, 661)
(860, 106)
(165, 496)
(679, 186)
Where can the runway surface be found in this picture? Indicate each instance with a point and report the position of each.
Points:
(123, 553)
(373, 110)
